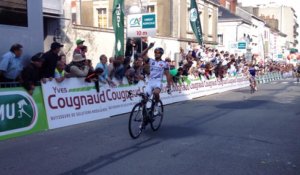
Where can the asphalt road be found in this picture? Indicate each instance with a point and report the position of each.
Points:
(233, 133)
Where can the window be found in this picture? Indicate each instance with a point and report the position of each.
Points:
(73, 11)
(13, 12)
(210, 24)
(220, 39)
(151, 9)
(227, 5)
(102, 18)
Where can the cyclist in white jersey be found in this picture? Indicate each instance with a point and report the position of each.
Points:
(158, 68)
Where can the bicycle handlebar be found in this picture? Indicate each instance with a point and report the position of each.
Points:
(130, 95)
(143, 95)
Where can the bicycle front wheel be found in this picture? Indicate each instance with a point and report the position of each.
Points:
(135, 124)
(157, 116)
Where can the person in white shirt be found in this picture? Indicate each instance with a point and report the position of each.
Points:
(158, 68)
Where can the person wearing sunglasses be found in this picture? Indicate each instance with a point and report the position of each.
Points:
(158, 68)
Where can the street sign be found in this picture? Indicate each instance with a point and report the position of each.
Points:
(279, 56)
(141, 25)
(242, 45)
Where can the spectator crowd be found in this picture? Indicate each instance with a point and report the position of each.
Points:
(200, 62)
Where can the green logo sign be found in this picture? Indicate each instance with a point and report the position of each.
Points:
(280, 56)
(242, 45)
(17, 112)
(193, 15)
(148, 21)
(135, 22)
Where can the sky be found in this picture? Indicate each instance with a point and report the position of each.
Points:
(291, 3)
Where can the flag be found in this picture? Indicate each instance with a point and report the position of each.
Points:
(195, 21)
(118, 25)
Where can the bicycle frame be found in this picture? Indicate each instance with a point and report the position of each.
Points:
(144, 101)
(149, 115)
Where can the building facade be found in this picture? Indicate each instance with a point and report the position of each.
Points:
(21, 22)
(287, 21)
(281, 18)
(232, 30)
(33, 24)
(173, 26)
(264, 35)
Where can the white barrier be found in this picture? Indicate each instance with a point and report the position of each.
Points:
(74, 101)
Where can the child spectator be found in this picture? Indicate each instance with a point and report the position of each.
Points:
(84, 50)
(63, 58)
(79, 44)
(60, 73)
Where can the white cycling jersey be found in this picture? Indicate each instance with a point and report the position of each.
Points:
(157, 69)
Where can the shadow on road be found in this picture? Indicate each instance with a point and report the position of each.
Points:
(110, 158)
(243, 104)
(173, 132)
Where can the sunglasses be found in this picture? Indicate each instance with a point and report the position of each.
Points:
(157, 52)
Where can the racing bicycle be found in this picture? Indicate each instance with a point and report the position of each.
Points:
(145, 112)
(252, 84)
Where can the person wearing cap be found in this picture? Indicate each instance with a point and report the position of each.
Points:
(78, 49)
(51, 58)
(11, 64)
(32, 74)
(78, 67)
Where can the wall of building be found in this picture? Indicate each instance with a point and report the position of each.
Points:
(285, 16)
(163, 17)
(51, 29)
(232, 32)
(53, 11)
(266, 41)
(288, 23)
(53, 6)
(257, 32)
(101, 41)
(208, 18)
(30, 37)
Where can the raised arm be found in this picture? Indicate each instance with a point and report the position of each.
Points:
(144, 52)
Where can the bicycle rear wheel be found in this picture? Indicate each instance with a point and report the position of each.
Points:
(135, 124)
(252, 89)
(158, 117)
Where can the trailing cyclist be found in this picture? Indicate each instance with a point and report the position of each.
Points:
(297, 72)
(252, 72)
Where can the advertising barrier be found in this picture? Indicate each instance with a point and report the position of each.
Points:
(20, 113)
(74, 101)
(68, 105)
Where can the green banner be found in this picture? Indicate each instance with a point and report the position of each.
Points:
(20, 113)
(118, 24)
(195, 21)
